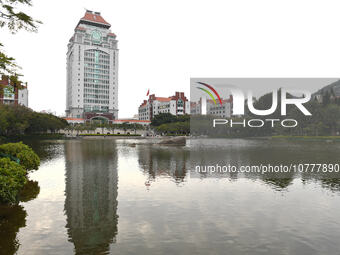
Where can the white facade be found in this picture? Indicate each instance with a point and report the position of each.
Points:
(221, 110)
(92, 68)
(23, 97)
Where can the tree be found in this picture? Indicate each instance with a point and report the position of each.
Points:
(326, 98)
(163, 118)
(27, 157)
(14, 20)
(17, 119)
(7, 64)
(16, 159)
(12, 180)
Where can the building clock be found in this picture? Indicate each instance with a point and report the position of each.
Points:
(96, 36)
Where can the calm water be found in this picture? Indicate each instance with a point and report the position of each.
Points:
(128, 197)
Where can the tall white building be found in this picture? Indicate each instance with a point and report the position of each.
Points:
(92, 70)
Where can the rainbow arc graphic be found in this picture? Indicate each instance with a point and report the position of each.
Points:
(209, 93)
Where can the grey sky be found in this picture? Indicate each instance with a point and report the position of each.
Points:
(164, 43)
(261, 86)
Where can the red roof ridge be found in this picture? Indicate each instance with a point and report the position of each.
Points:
(94, 17)
(163, 99)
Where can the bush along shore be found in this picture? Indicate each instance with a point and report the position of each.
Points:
(16, 161)
(109, 135)
(17, 120)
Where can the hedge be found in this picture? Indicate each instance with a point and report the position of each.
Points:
(16, 159)
(12, 180)
(27, 157)
(109, 135)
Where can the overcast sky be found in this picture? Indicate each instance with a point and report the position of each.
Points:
(164, 43)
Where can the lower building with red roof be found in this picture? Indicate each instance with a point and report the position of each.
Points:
(175, 105)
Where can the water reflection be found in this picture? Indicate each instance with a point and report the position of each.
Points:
(184, 212)
(12, 218)
(30, 191)
(165, 161)
(91, 195)
(242, 152)
(46, 149)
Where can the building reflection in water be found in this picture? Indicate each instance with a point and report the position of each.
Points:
(241, 152)
(163, 161)
(245, 155)
(175, 162)
(91, 194)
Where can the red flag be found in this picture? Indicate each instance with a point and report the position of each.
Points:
(148, 92)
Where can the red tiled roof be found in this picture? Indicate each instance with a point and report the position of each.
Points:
(94, 17)
(111, 34)
(163, 99)
(144, 103)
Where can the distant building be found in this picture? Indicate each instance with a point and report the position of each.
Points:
(175, 105)
(196, 107)
(221, 110)
(49, 111)
(135, 117)
(92, 70)
(75, 121)
(132, 121)
(13, 93)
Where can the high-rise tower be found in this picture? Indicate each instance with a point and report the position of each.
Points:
(92, 70)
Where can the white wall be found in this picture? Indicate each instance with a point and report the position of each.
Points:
(23, 97)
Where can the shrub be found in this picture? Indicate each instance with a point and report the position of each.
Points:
(12, 179)
(30, 191)
(28, 158)
(109, 134)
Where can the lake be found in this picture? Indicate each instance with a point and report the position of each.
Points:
(129, 196)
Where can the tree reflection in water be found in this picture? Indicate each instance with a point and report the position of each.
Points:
(12, 218)
(163, 161)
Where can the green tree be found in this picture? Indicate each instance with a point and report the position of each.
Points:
(17, 119)
(163, 118)
(12, 179)
(14, 19)
(28, 158)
